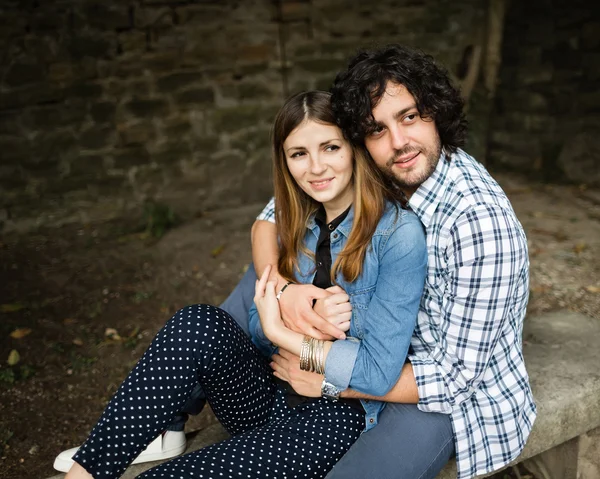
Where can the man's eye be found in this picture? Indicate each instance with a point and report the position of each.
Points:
(411, 117)
(377, 130)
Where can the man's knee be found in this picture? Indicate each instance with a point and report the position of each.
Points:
(406, 444)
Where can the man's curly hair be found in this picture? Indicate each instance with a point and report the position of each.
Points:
(358, 89)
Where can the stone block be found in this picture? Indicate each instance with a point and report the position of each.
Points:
(172, 152)
(179, 80)
(252, 140)
(20, 74)
(147, 108)
(236, 118)
(103, 112)
(107, 16)
(92, 45)
(97, 138)
(129, 157)
(85, 90)
(205, 145)
(14, 149)
(177, 128)
(590, 35)
(50, 146)
(136, 133)
(294, 11)
(55, 115)
(320, 65)
(196, 96)
(132, 41)
(579, 159)
(91, 165)
(10, 123)
(256, 53)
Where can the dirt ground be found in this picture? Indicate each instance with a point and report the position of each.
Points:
(79, 304)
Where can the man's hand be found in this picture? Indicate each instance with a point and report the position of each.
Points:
(296, 305)
(335, 308)
(286, 366)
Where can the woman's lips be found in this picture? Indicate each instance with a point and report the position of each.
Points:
(320, 184)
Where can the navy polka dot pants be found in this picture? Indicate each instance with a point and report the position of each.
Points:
(203, 345)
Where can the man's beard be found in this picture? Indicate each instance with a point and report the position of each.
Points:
(413, 180)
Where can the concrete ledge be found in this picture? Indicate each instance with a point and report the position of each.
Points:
(562, 353)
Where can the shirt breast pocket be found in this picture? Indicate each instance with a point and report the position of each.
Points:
(360, 299)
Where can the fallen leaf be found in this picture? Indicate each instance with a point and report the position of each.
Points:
(593, 289)
(13, 357)
(12, 307)
(112, 333)
(217, 251)
(68, 321)
(579, 247)
(20, 333)
(78, 342)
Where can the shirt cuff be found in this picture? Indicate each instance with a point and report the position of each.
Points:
(430, 385)
(340, 362)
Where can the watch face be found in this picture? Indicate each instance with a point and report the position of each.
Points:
(329, 391)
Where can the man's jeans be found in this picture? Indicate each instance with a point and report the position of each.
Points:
(406, 444)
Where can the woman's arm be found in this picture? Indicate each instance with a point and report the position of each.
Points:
(297, 301)
(376, 362)
(271, 323)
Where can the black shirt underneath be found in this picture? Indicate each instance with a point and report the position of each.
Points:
(322, 280)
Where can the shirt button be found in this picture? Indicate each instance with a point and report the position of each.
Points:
(371, 420)
(319, 264)
(335, 235)
(330, 226)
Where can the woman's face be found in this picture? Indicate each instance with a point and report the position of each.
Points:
(320, 161)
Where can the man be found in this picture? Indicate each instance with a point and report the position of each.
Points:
(464, 390)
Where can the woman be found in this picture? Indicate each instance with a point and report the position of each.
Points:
(326, 191)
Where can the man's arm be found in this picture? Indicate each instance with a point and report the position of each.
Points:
(296, 302)
(286, 366)
(483, 304)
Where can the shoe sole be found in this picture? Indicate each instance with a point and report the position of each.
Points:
(64, 465)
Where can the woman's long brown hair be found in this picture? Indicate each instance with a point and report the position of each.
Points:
(293, 207)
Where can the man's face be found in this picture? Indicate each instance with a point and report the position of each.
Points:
(405, 146)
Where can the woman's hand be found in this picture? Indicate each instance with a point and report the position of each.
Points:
(286, 366)
(335, 308)
(267, 305)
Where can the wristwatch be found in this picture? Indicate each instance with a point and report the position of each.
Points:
(330, 391)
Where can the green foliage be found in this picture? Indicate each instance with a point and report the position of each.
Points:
(158, 218)
(9, 376)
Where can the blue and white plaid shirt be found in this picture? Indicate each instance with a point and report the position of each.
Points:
(467, 352)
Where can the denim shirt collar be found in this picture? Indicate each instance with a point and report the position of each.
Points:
(343, 228)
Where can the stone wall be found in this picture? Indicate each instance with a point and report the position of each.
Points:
(547, 114)
(104, 104)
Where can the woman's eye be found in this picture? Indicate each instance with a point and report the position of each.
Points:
(332, 148)
(297, 154)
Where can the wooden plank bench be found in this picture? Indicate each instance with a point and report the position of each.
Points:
(562, 353)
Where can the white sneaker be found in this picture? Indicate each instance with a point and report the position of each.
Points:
(168, 444)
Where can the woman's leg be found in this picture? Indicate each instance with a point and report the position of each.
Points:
(303, 442)
(200, 345)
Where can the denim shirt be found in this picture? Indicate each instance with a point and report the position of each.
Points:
(385, 302)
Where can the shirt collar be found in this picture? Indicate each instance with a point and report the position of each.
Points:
(343, 222)
(425, 200)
